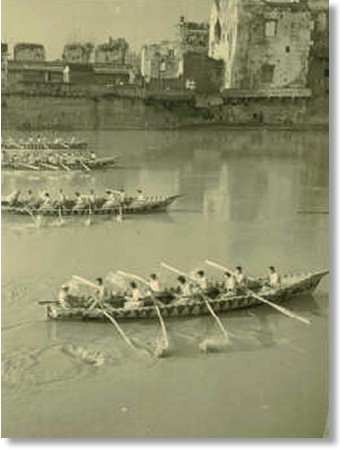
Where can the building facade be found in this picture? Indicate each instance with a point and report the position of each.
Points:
(318, 75)
(78, 53)
(25, 51)
(265, 45)
(4, 65)
(161, 62)
(112, 52)
(193, 36)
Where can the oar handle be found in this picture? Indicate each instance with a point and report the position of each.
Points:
(131, 275)
(85, 281)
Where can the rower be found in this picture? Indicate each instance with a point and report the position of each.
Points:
(184, 287)
(80, 203)
(135, 300)
(12, 198)
(122, 195)
(99, 295)
(140, 195)
(92, 197)
(46, 199)
(229, 283)
(93, 156)
(201, 280)
(241, 278)
(111, 200)
(154, 284)
(63, 296)
(274, 279)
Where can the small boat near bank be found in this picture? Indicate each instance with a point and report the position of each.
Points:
(131, 205)
(293, 286)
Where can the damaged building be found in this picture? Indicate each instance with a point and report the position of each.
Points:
(78, 53)
(162, 64)
(318, 75)
(114, 51)
(26, 51)
(264, 45)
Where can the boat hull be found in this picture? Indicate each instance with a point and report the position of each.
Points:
(98, 164)
(150, 205)
(221, 304)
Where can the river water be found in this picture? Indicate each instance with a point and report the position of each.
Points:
(247, 199)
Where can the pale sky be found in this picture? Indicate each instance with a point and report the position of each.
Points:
(54, 22)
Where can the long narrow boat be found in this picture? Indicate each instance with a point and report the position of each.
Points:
(292, 286)
(130, 206)
(48, 145)
(77, 165)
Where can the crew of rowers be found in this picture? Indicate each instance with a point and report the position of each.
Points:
(44, 201)
(39, 141)
(48, 158)
(234, 283)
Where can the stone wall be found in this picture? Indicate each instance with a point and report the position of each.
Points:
(117, 111)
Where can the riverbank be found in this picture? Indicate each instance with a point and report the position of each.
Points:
(56, 111)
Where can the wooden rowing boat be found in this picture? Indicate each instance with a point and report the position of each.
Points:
(292, 286)
(42, 165)
(69, 208)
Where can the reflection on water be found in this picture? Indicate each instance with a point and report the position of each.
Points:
(241, 195)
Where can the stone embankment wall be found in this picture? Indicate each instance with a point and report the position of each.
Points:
(20, 111)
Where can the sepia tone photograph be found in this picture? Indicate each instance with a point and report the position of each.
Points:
(165, 219)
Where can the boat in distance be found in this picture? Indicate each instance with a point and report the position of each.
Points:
(292, 286)
(84, 165)
(68, 208)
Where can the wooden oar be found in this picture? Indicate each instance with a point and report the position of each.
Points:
(163, 345)
(85, 166)
(88, 220)
(205, 344)
(112, 320)
(123, 335)
(48, 166)
(61, 221)
(64, 166)
(36, 219)
(279, 308)
(27, 166)
(47, 302)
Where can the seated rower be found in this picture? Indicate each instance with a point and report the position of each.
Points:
(201, 280)
(46, 202)
(154, 284)
(80, 203)
(93, 156)
(12, 198)
(63, 297)
(111, 200)
(184, 289)
(229, 283)
(140, 195)
(135, 301)
(241, 278)
(274, 279)
(100, 295)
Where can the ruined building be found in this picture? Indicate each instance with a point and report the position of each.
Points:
(318, 75)
(78, 53)
(264, 44)
(193, 36)
(25, 51)
(112, 52)
(4, 64)
(161, 63)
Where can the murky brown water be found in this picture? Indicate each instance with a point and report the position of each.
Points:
(243, 191)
